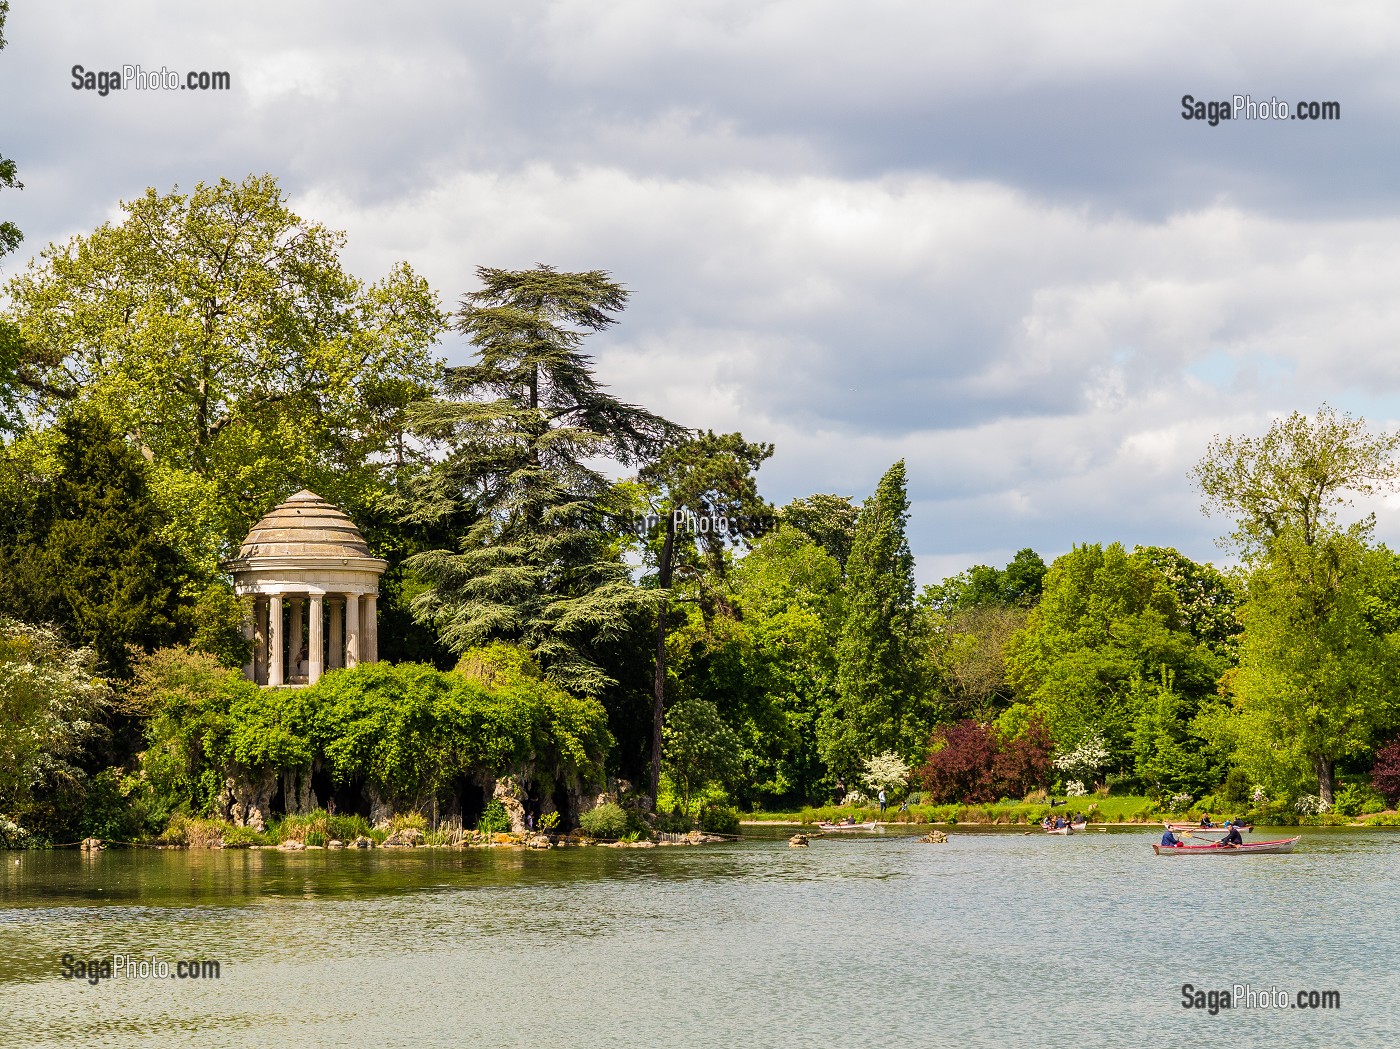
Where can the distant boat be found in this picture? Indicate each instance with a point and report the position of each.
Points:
(1245, 828)
(846, 826)
(1283, 845)
(1068, 829)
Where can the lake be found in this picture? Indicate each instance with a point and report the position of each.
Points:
(993, 939)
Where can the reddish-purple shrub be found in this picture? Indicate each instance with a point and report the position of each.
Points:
(960, 767)
(1385, 773)
(975, 764)
(1023, 764)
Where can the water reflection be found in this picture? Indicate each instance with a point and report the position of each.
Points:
(850, 942)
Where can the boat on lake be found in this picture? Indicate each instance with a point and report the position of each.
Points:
(846, 826)
(1196, 828)
(1282, 845)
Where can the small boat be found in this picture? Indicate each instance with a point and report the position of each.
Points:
(1060, 830)
(824, 827)
(1282, 845)
(1079, 825)
(1196, 828)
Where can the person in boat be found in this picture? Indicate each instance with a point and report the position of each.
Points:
(1170, 840)
(1206, 823)
(1059, 823)
(1232, 838)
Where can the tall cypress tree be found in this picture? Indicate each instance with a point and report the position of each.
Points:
(524, 427)
(875, 677)
(89, 555)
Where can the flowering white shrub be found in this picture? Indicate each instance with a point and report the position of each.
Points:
(1084, 760)
(885, 772)
(1311, 805)
(1180, 801)
(1258, 796)
(1075, 789)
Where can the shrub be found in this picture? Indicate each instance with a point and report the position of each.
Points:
(548, 822)
(974, 763)
(1385, 774)
(675, 822)
(242, 837)
(494, 818)
(719, 819)
(608, 820)
(416, 821)
(1353, 798)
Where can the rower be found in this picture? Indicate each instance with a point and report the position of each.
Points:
(1206, 823)
(1170, 840)
(1232, 838)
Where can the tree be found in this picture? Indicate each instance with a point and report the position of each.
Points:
(1205, 598)
(887, 772)
(830, 520)
(51, 702)
(10, 236)
(1105, 619)
(704, 498)
(219, 332)
(875, 680)
(524, 427)
(973, 763)
(1317, 680)
(88, 553)
(1165, 755)
(700, 747)
(1296, 476)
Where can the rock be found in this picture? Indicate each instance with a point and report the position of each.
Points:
(934, 837)
(798, 841)
(538, 841)
(362, 843)
(508, 791)
(405, 838)
(92, 845)
(335, 844)
(292, 846)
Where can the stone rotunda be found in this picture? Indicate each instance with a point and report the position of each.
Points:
(313, 583)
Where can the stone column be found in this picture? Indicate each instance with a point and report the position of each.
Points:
(274, 633)
(260, 639)
(352, 629)
(250, 668)
(371, 630)
(337, 659)
(316, 644)
(296, 638)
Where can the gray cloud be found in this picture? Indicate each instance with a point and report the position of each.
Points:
(984, 241)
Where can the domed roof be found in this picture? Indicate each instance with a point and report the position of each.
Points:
(304, 526)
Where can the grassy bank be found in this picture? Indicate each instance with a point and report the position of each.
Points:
(1124, 809)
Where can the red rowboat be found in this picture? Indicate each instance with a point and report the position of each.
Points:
(1283, 845)
(846, 826)
(1245, 828)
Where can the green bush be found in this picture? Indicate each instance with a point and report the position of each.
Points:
(494, 818)
(242, 837)
(346, 828)
(608, 820)
(719, 819)
(675, 822)
(1353, 798)
(548, 822)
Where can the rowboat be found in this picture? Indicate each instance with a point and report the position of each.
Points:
(1060, 830)
(1283, 845)
(1245, 828)
(824, 827)
(1081, 825)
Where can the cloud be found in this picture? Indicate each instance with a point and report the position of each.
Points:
(985, 242)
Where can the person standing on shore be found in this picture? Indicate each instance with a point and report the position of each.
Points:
(882, 801)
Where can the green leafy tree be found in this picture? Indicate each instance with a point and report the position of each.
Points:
(875, 680)
(52, 701)
(1296, 477)
(218, 330)
(1206, 599)
(700, 747)
(1167, 758)
(704, 499)
(1106, 618)
(1317, 681)
(524, 428)
(88, 551)
(830, 520)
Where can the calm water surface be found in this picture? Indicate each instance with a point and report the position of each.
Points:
(994, 939)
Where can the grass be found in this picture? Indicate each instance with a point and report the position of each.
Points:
(1125, 809)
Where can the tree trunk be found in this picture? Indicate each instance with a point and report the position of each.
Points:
(1325, 769)
(658, 707)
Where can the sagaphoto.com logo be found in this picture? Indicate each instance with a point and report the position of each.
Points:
(136, 78)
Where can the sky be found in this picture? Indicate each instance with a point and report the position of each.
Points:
(981, 238)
